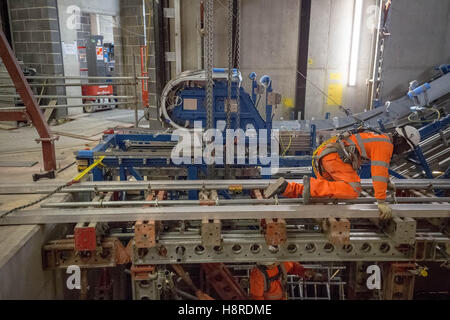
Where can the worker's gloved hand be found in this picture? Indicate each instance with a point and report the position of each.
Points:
(309, 274)
(385, 210)
(313, 275)
(391, 186)
(318, 277)
(278, 187)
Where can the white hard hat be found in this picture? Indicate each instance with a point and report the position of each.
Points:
(411, 134)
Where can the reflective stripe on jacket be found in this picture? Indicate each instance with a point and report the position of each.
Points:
(378, 149)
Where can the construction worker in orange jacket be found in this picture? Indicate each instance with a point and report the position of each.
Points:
(268, 279)
(337, 163)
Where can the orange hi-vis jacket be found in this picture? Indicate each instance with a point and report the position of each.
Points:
(378, 149)
(340, 180)
(275, 289)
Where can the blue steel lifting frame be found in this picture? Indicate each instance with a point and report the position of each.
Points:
(426, 132)
(127, 165)
(416, 156)
(249, 116)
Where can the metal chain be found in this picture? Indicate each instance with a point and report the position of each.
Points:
(238, 62)
(230, 61)
(230, 73)
(209, 64)
(383, 34)
(36, 201)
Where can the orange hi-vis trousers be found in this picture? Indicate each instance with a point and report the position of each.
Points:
(346, 183)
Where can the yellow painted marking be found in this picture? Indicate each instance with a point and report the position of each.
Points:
(335, 76)
(288, 102)
(88, 169)
(235, 188)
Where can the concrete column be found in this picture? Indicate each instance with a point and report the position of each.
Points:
(132, 37)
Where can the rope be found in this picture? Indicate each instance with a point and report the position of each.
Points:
(410, 117)
(315, 152)
(288, 146)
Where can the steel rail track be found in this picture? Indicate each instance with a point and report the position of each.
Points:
(220, 202)
(243, 247)
(106, 186)
(368, 211)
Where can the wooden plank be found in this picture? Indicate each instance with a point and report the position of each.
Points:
(17, 163)
(48, 111)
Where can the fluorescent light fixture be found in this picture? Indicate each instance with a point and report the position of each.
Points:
(356, 35)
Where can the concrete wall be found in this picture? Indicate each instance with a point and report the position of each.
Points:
(132, 38)
(133, 31)
(419, 41)
(36, 40)
(269, 37)
(190, 49)
(71, 66)
(103, 7)
(329, 56)
(269, 40)
(77, 34)
(21, 273)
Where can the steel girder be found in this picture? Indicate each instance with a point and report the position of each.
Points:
(251, 184)
(247, 247)
(367, 211)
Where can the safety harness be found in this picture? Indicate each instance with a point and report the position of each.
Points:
(281, 275)
(347, 151)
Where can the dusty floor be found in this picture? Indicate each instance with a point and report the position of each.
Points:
(19, 145)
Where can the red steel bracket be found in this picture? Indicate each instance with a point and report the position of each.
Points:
(13, 116)
(85, 237)
(142, 272)
(223, 282)
(337, 231)
(28, 99)
(146, 232)
(276, 233)
(274, 229)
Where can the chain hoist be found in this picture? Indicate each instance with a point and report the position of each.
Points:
(230, 60)
(383, 34)
(238, 62)
(209, 64)
(230, 73)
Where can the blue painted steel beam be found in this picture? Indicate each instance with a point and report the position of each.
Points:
(435, 127)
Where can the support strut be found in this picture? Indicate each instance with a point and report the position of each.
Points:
(32, 107)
